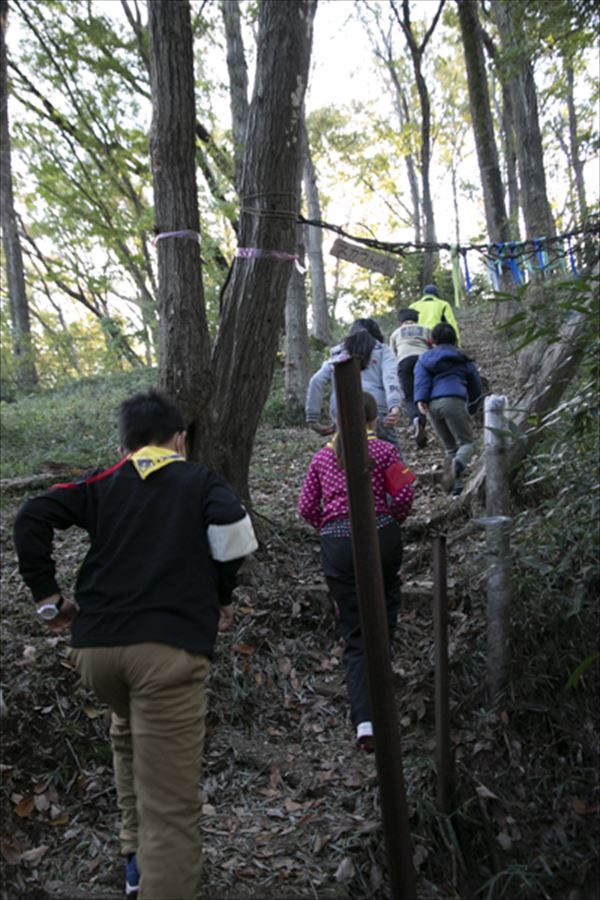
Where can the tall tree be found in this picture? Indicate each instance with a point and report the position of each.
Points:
(574, 143)
(25, 371)
(381, 38)
(185, 369)
(254, 303)
(296, 340)
(504, 114)
(417, 50)
(321, 329)
(222, 396)
(86, 150)
(517, 69)
(483, 126)
(238, 82)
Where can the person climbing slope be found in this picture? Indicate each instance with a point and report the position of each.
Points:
(378, 376)
(408, 342)
(432, 310)
(324, 504)
(166, 540)
(447, 389)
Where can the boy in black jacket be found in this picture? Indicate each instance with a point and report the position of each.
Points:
(167, 538)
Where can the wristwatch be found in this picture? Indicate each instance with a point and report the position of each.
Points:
(49, 611)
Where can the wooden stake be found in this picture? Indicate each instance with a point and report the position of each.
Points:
(371, 599)
(442, 684)
(497, 524)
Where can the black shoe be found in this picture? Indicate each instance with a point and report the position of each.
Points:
(420, 434)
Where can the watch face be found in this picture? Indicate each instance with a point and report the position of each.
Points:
(48, 612)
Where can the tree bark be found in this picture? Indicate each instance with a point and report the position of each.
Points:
(185, 370)
(238, 82)
(517, 69)
(497, 529)
(481, 118)
(254, 301)
(506, 117)
(25, 371)
(416, 52)
(384, 51)
(296, 335)
(314, 245)
(576, 160)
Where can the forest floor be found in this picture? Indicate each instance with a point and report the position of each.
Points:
(290, 805)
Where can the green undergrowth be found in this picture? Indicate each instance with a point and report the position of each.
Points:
(70, 426)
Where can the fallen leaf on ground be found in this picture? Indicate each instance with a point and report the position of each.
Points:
(25, 807)
(345, 870)
(33, 855)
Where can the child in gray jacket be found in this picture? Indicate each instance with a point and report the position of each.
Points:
(378, 376)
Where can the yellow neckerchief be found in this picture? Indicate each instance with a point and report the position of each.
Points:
(371, 436)
(148, 460)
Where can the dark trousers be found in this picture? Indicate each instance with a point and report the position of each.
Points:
(406, 377)
(338, 566)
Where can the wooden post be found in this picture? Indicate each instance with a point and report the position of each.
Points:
(443, 759)
(497, 524)
(373, 616)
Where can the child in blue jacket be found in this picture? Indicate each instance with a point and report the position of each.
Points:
(447, 389)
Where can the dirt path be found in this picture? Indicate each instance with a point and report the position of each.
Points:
(291, 808)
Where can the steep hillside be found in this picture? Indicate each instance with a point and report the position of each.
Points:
(291, 807)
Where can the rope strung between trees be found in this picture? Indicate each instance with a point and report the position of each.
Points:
(401, 248)
(531, 255)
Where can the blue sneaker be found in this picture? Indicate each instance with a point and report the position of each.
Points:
(132, 877)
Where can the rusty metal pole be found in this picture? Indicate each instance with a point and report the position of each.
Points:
(443, 758)
(373, 617)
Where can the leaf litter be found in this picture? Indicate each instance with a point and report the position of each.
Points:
(290, 807)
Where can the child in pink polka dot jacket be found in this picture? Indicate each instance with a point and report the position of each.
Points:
(324, 504)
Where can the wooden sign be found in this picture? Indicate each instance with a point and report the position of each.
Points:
(362, 256)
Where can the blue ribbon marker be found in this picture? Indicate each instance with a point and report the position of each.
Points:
(538, 249)
(467, 276)
(571, 257)
(513, 264)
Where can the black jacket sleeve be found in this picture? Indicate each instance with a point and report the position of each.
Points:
(34, 528)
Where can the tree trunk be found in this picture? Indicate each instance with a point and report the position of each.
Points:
(296, 334)
(185, 370)
(404, 118)
(254, 301)
(238, 82)
(416, 51)
(483, 127)
(314, 246)
(574, 145)
(510, 156)
(518, 71)
(25, 371)
(506, 117)
(497, 509)
(431, 258)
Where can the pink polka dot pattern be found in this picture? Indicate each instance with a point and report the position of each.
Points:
(324, 495)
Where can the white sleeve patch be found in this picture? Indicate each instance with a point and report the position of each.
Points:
(232, 541)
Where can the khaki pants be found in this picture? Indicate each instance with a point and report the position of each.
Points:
(158, 701)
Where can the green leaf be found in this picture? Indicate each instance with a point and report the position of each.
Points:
(581, 669)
